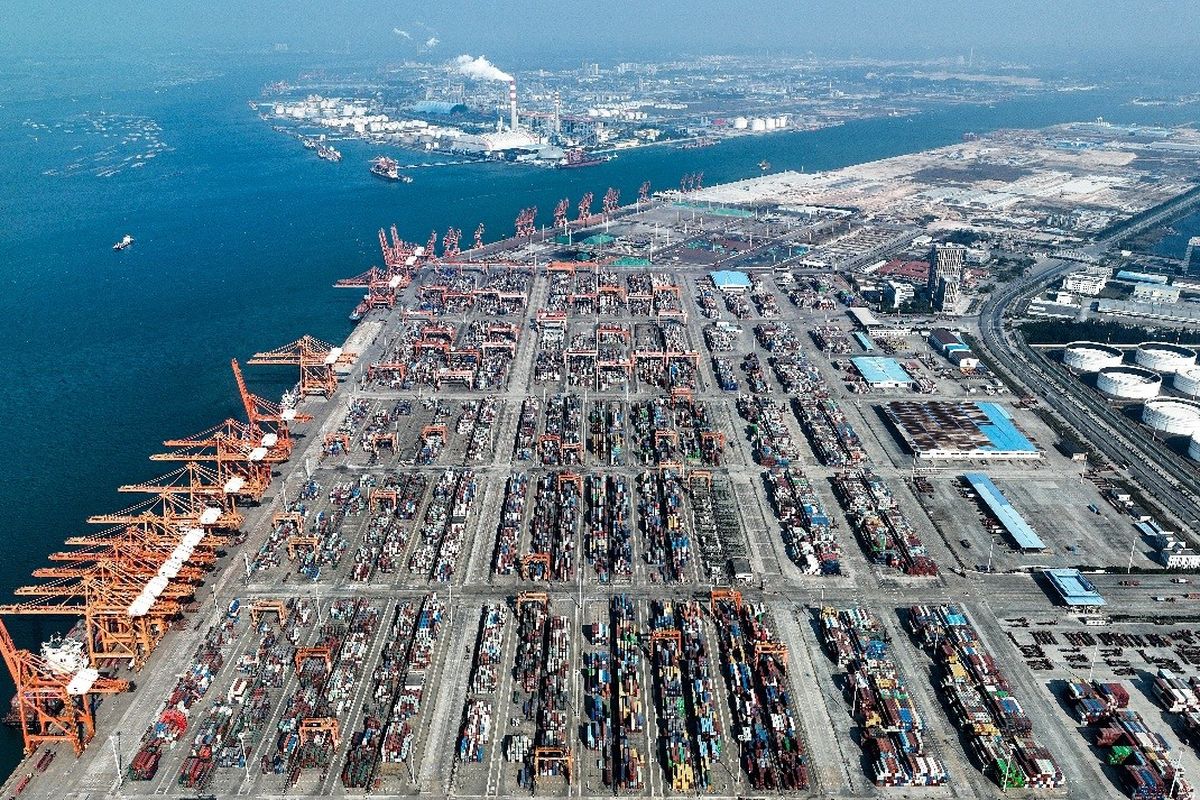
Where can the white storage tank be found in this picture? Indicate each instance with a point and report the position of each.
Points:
(1164, 356)
(781, 121)
(1129, 383)
(758, 124)
(1187, 380)
(1172, 416)
(740, 123)
(1194, 448)
(770, 123)
(1091, 356)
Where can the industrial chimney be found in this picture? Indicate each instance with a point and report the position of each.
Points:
(512, 103)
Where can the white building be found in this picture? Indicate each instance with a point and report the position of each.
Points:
(1154, 293)
(1089, 282)
(1180, 558)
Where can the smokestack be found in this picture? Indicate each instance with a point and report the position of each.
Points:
(512, 102)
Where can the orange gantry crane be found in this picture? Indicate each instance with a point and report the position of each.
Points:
(242, 457)
(316, 359)
(267, 417)
(54, 706)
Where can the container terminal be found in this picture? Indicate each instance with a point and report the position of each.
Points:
(601, 509)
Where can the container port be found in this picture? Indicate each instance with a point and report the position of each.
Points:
(516, 536)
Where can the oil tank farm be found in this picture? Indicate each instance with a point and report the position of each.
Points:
(1129, 383)
(1091, 356)
(1172, 416)
(1187, 381)
(1164, 356)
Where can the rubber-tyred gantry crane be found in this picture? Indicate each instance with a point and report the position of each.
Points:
(54, 706)
(316, 359)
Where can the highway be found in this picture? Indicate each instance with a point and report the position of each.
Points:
(1168, 478)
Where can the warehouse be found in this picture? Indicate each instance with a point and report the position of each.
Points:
(959, 431)
(882, 373)
(731, 280)
(1072, 588)
(1014, 524)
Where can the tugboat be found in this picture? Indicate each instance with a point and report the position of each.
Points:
(389, 170)
(126, 241)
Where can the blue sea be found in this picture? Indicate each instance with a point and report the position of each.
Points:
(240, 234)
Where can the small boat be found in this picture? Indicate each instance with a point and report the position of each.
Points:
(764, 165)
(126, 241)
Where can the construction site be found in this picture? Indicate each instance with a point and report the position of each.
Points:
(568, 514)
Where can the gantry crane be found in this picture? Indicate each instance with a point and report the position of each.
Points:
(268, 417)
(54, 706)
(242, 456)
(316, 359)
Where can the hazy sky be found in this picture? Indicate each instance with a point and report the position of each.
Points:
(1100, 32)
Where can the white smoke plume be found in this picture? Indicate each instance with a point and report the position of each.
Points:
(480, 69)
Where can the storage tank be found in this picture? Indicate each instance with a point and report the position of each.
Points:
(1172, 416)
(1129, 383)
(1164, 356)
(1091, 356)
(781, 121)
(758, 124)
(740, 123)
(770, 123)
(1194, 448)
(1187, 380)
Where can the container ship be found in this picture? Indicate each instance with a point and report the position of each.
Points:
(578, 158)
(389, 170)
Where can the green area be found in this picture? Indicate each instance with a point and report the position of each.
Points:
(1064, 332)
(720, 211)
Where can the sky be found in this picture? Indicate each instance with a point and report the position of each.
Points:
(1100, 33)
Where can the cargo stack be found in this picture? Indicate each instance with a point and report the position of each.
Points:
(807, 530)
(770, 438)
(608, 544)
(667, 534)
(882, 528)
(892, 727)
(512, 516)
(675, 744)
(773, 756)
(409, 686)
(366, 745)
(476, 731)
(1000, 734)
(630, 715)
(1147, 770)
(172, 721)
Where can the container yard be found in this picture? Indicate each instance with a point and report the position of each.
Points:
(516, 536)
(893, 727)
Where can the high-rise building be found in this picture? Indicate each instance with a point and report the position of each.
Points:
(945, 275)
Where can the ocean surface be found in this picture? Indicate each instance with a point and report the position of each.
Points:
(240, 234)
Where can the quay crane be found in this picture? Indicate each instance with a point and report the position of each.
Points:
(54, 706)
(316, 360)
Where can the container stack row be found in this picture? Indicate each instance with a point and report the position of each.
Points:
(982, 702)
(772, 753)
(892, 727)
(1141, 756)
(807, 529)
(885, 533)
